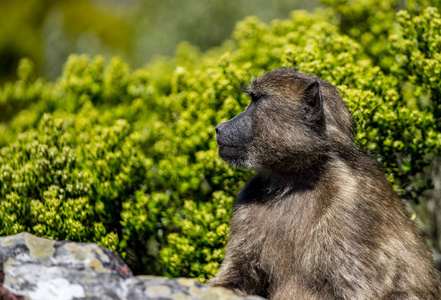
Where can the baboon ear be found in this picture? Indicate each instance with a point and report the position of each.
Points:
(314, 101)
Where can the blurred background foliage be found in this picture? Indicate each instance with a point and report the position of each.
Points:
(126, 157)
(47, 31)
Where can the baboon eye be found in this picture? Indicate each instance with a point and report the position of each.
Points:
(255, 97)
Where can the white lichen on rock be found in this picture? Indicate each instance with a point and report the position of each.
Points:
(39, 269)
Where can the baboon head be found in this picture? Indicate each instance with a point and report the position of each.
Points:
(292, 121)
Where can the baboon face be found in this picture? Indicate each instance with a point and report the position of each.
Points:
(286, 124)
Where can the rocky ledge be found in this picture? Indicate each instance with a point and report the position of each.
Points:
(41, 269)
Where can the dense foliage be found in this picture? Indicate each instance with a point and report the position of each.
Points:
(128, 159)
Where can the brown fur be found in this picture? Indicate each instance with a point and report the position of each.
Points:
(320, 221)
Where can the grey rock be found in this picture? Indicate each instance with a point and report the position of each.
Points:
(41, 269)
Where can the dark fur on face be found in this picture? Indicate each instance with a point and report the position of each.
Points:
(320, 221)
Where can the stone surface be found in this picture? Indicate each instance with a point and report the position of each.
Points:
(41, 269)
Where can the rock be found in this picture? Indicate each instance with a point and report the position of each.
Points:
(41, 269)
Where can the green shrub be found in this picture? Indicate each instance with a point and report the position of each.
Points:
(151, 185)
(67, 179)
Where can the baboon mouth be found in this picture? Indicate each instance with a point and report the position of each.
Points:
(230, 150)
(227, 146)
(231, 147)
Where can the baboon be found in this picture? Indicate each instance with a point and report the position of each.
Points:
(319, 221)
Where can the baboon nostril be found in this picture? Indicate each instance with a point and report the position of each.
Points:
(217, 130)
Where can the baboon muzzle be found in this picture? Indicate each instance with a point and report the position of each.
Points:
(236, 132)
